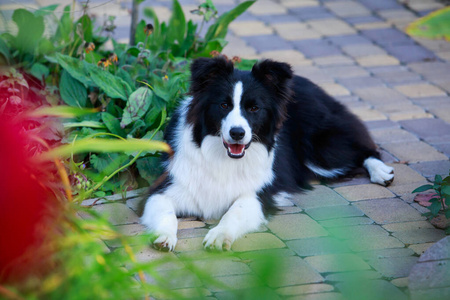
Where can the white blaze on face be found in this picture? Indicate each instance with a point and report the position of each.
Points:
(235, 118)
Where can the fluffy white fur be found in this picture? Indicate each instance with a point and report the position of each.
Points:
(379, 172)
(205, 184)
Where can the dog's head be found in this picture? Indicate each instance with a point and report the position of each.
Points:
(238, 106)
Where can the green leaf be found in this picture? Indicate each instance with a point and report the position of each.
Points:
(140, 33)
(423, 188)
(137, 106)
(177, 25)
(445, 189)
(65, 26)
(113, 86)
(72, 91)
(113, 124)
(447, 213)
(435, 25)
(214, 45)
(435, 206)
(149, 168)
(90, 124)
(108, 163)
(104, 145)
(126, 77)
(246, 64)
(62, 111)
(154, 38)
(220, 28)
(74, 66)
(438, 179)
(39, 71)
(86, 25)
(46, 10)
(30, 32)
(4, 50)
(152, 116)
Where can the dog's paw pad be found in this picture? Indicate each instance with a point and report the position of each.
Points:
(218, 239)
(165, 243)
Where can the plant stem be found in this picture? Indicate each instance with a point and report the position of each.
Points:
(98, 185)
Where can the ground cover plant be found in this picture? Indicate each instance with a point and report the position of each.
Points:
(438, 202)
(133, 88)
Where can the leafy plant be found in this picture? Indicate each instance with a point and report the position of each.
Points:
(440, 200)
(435, 25)
(182, 39)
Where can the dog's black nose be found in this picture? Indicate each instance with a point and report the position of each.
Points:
(237, 133)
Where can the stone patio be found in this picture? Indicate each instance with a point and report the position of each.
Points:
(348, 229)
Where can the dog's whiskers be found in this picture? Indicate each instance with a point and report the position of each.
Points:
(256, 138)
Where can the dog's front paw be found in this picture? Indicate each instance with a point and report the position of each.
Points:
(165, 242)
(218, 239)
(383, 175)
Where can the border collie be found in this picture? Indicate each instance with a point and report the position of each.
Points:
(244, 141)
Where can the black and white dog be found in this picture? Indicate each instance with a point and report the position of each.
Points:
(244, 141)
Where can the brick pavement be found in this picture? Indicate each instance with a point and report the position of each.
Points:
(398, 85)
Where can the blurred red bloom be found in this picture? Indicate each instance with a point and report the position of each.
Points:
(26, 203)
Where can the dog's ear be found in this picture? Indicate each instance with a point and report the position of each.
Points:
(272, 73)
(276, 76)
(204, 70)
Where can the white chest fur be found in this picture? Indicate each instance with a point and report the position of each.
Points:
(206, 181)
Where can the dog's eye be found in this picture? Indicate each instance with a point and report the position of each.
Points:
(224, 105)
(254, 108)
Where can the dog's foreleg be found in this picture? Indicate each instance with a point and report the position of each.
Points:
(245, 215)
(379, 172)
(160, 218)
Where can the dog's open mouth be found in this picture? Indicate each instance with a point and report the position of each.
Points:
(236, 150)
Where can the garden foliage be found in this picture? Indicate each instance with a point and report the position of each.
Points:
(133, 89)
(93, 111)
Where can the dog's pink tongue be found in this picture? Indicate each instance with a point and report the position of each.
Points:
(236, 148)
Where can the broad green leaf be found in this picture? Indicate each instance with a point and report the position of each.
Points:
(213, 45)
(438, 179)
(104, 146)
(445, 189)
(126, 77)
(246, 64)
(30, 32)
(113, 124)
(140, 33)
(113, 86)
(152, 116)
(423, 188)
(149, 168)
(220, 27)
(108, 163)
(188, 42)
(435, 25)
(435, 206)
(137, 106)
(177, 25)
(39, 70)
(74, 66)
(62, 111)
(65, 26)
(154, 38)
(86, 26)
(72, 91)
